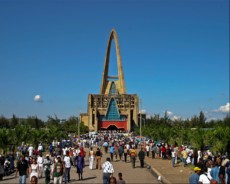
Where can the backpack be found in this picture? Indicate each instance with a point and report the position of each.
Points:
(132, 153)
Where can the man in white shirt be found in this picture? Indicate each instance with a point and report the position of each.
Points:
(108, 171)
(147, 147)
(40, 148)
(40, 162)
(64, 150)
(30, 149)
(67, 161)
(204, 178)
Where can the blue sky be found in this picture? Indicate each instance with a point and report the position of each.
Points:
(175, 55)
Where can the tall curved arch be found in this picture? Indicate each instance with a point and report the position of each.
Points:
(120, 83)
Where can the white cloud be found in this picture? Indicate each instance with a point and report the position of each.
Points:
(38, 98)
(169, 113)
(174, 118)
(224, 108)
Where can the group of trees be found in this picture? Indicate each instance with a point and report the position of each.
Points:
(32, 130)
(195, 132)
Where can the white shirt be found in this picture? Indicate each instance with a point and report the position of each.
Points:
(67, 161)
(40, 160)
(30, 149)
(40, 148)
(147, 148)
(77, 151)
(204, 179)
(173, 153)
(107, 167)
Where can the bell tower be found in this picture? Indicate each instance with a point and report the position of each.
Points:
(120, 82)
(113, 108)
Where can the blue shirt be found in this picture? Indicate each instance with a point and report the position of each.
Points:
(194, 179)
(112, 149)
(215, 173)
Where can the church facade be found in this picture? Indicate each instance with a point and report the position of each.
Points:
(113, 108)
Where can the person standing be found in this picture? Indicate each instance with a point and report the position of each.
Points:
(199, 154)
(120, 179)
(51, 148)
(40, 161)
(47, 168)
(125, 153)
(141, 156)
(79, 164)
(147, 148)
(68, 162)
(98, 157)
(173, 155)
(184, 156)
(228, 171)
(108, 171)
(204, 178)
(163, 152)
(40, 148)
(58, 171)
(120, 151)
(31, 150)
(133, 155)
(34, 169)
(116, 150)
(111, 151)
(153, 150)
(23, 169)
(105, 145)
(194, 178)
(2, 171)
(11, 158)
(91, 158)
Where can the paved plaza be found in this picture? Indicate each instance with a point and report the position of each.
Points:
(130, 175)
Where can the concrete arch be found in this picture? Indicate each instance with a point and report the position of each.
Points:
(120, 83)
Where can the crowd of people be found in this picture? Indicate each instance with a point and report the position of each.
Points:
(60, 157)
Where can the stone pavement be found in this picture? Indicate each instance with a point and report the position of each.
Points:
(163, 170)
(155, 171)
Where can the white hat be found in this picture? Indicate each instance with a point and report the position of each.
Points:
(47, 155)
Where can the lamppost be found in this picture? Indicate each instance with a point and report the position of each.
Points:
(79, 121)
(140, 120)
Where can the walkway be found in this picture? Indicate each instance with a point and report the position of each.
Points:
(130, 175)
(156, 171)
(163, 170)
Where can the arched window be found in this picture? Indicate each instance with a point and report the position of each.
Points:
(113, 90)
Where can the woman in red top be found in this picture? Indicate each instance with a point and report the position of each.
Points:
(163, 152)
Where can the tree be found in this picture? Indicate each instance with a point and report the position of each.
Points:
(4, 122)
(197, 137)
(22, 133)
(13, 122)
(53, 121)
(34, 122)
(5, 136)
(202, 120)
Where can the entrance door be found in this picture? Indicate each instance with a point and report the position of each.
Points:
(112, 127)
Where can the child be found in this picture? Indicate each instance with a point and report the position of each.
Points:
(120, 179)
